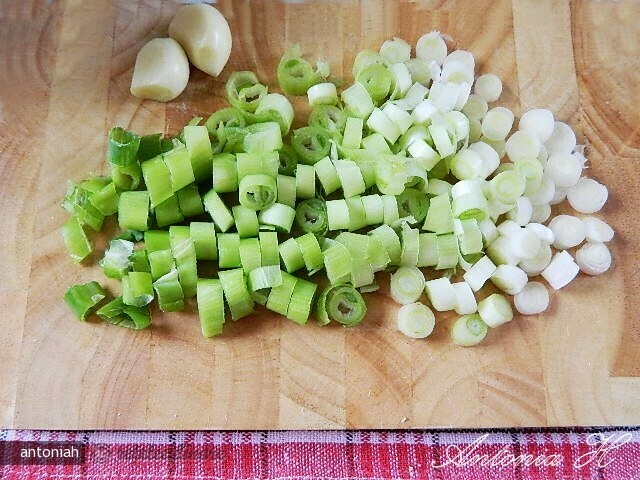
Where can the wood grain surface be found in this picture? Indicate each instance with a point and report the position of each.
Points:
(65, 70)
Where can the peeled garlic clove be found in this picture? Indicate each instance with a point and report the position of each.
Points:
(161, 71)
(204, 34)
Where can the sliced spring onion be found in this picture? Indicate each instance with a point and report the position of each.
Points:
(116, 312)
(328, 117)
(468, 330)
(541, 213)
(295, 74)
(357, 100)
(218, 210)
(532, 299)
(105, 200)
(77, 202)
(448, 251)
(280, 296)
(469, 236)
(246, 221)
(137, 289)
(337, 262)
(439, 217)
(278, 216)
(189, 201)
(157, 179)
(311, 144)
(587, 196)
(441, 294)
(569, 231)
(169, 292)
(178, 163)
(373, 209)
(133, 210)
(277, 107)
(410, 246)
(168, 212)
(311, 252)
(288, 160)
(160, 263)
(501, 252)
(562, 139)
(412, 203)
(479, 273)
(538, 121)
(306, 181)
(465, 299)
(597, 230)
(196, 139)
(497, 123)
(83, 299)
(301, 301)
(76, 240)
(286, 190)
(116, 262)
(544, 233)
(525, 243)
(441, 140)
(269, 248)
(509, 278)
(428, 253)
(140, 261)
(537, 264)
(342, 304)
(262, 137)
(291, 255)
(322, 94)
(327, 175)
(337, 215)
(311, 216)
(593, 258)
(407, 285)
(257, 163)
(244, 90)
(210, 306)
(561, 271)
(236, 293)
(265, 277)
(123, 147)
(250, 256)
(495, 310)
(184, 254)
(228, 250)
(350, 178)
(225, 173)
(357, 214)
(466, 164)
(416, 320)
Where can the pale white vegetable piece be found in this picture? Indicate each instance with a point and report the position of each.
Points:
(522, 144)
(559, 196)
(479, 273)
(497, 123)
(456, 72)
(568, 230)
(416, 320)
(322, 94)
(441, 294)
(587, 196)
(508, 228)
(465, 299)
(543, 232)
(204, 34)
(406, 285)
(532, 299)
(562, 140)
(564, 169)
(394, 51)
(593, 258)
(522, 212)
(489, 87)
(476, 107)
(509, 278)
(541, 213)
(538, 121)
(161, 71)
(561, 271)
(431, 47)
(463, 95)
(525, 243)
(491, 159)
(597, 230)
(489, 230)
(501, 251)
(535, 266)
(462, 56)
(423, 111)
(495, 310)
(544, 194)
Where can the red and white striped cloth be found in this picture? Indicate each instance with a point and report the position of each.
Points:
(568, 454)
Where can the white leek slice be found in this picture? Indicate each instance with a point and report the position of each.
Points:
(441, 294)
(495, 310)
(416, 320)
(522, 212)
(479, 273)
(538, 121)
(541, 213)
(406, 285)
(489, 87)
(525, 243)
(562, 139)
(522, 144)
(465, 299)
(532, 299)
(497, 123)
(564, 169)
(431, 47)
(587, 196)
(597, 230)
(561, 271)
(536, 265)
(593, 258)
(509, 278)
(568, 230)
(543, 232)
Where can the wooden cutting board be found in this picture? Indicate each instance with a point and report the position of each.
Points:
(65, 70)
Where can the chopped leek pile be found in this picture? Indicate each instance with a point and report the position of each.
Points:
(409, 169)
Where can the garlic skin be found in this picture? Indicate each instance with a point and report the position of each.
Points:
(205, 36)
(161, 71)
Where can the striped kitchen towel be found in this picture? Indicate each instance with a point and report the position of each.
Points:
(605, 453)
